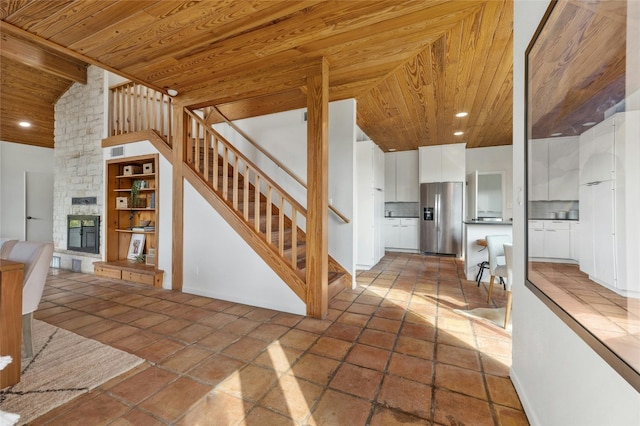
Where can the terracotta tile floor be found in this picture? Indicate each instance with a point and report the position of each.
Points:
(390, 352)
(612, 318)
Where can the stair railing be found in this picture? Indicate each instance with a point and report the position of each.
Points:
(134, 107)
(208, 110)
(239, 182)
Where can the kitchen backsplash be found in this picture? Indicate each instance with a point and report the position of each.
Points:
(408, 209)
(545, 209)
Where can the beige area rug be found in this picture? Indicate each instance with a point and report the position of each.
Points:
(492, 315)
(64, 366)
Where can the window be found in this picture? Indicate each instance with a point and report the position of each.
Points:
(583, 182)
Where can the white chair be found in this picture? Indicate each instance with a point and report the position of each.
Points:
(36, 257)
(508, 256)
(6, 244)
(497, 263)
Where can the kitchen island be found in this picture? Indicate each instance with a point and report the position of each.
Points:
(476, 253)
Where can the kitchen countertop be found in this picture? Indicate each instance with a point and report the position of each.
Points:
(546, 218)
(487, 222)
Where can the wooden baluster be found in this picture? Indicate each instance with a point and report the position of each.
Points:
(117, 110)
(206, 150)
(153, 106)
(256, 203)
(161, 113)
(225, 172)
(245, 193)
(135, 110)
(235, 182)
(268, 214)
(131, 113)
(196, 136)
(147, 109)
(216, 163)
(188, 126)
(125, 99)
(167, 113)
(121, 112)
(281, 226)
(112, 100)
(165, 116)
(294, 238)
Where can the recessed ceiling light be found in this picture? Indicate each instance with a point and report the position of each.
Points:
(391, 149)
(556, 134)
(589, 123)
(24, 124)
(462, 114)
(458, 133)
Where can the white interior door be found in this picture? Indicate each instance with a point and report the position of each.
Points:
(39, 206)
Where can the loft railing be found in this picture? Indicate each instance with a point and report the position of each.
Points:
(261, 202)
(134, 107)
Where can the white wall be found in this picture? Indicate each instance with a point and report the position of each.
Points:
(494, 159)
(284, 136)
(15, 160)
(219, 263)
(560, 380)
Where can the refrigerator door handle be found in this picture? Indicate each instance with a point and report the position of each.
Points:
(437, 213)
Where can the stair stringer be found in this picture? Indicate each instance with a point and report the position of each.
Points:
(254, 240)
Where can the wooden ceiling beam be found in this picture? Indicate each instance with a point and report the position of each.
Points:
(13, 30)
(245, 83)
(34, 56)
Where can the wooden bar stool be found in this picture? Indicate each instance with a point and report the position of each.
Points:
(482, 265)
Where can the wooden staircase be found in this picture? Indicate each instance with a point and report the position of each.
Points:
(259, 205)
(260, 211)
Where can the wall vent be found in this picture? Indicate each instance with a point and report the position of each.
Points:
(83, 201)
(117, 151)
(76, 265)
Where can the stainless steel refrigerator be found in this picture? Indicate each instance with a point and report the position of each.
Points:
(441, 224)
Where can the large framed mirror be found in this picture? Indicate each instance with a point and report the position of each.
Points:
(583, 173)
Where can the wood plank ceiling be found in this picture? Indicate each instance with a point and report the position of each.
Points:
(577, 69)
(411, 65)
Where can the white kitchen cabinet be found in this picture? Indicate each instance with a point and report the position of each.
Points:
(627, 232)
(392, 232)
(609, 200)
(575, 241)
(597, 153)
(453, 163)
(401, 176)
(557, 240)
(554, 169)
(370, 204)
(550, 239)
(539, 170)
(407, 186)
(442, 163)
(564, 168)
(536, 238)
(402, 233)
(587, 224)
(409, 234)
(390, 177)
(604, 232)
